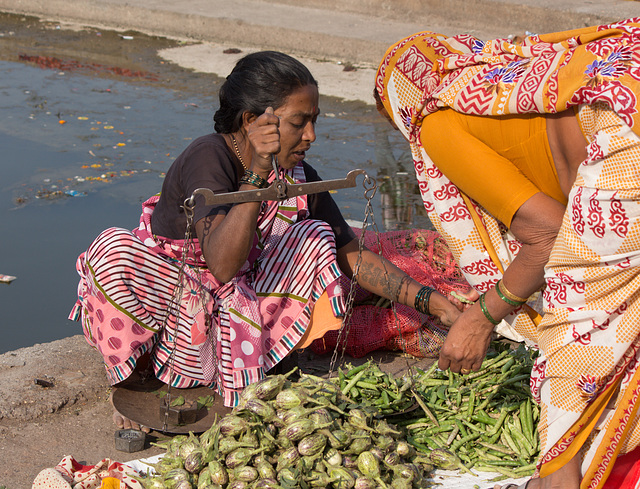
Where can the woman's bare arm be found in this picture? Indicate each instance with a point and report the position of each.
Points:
(535, 225)
(379, 276)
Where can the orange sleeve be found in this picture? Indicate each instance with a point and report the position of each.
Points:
(477, 170)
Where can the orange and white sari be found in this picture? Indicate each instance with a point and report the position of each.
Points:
(587, 379)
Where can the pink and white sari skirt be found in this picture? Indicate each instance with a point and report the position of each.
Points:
(125, 296)
(587, 379)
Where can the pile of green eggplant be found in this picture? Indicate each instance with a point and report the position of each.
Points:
(363, 429)
(286, 435)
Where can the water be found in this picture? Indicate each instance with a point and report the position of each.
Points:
(117, 139)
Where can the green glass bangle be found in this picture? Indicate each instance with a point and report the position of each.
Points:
(505, 298)
(252, 178)
(485, 311)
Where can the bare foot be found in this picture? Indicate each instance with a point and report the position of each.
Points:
(123, 423)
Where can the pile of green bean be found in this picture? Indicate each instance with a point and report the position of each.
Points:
(486, 418)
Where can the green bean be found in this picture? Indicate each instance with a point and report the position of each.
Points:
(341, 378)
(453, 434)
(515, 379)
(503, 463)
(489, 366)
(473, 427)
(507, 366)
(357, 370)
(367, 385)
(385, 397)
(411, 441)
(424, 407)
(519, 438)
(489, 456)
(525, 468)
(507, 441)
(526, 419)
(440, 429)
(496, 427)
(463, 432)
(484, 419)
(496, 468)
(472, 399)
(390, 393)
(352, 382)
(497, 448)
(458, 443)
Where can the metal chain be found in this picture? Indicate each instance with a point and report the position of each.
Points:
(403, 343)
(175, 303)
(370, 188)
(369, 193)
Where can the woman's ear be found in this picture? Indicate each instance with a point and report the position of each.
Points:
(248, 118)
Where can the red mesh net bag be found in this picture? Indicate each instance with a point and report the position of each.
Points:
(424, 255)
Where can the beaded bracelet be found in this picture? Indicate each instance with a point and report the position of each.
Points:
(252, 178)
(421, 302)
(504, 294)
(485, 311)
(504, 297)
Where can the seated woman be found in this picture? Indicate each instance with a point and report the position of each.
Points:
(261, 278)
(528, 160)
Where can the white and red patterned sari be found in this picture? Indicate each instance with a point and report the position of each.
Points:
(587, 379)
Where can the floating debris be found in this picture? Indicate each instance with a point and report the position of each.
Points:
(7, 279)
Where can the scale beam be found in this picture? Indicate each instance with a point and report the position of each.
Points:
(278, 190)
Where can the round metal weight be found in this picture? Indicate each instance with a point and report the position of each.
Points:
(145, 402)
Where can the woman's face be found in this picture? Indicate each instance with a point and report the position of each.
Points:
(298, 117)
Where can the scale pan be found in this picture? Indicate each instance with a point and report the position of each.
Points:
(143, 402)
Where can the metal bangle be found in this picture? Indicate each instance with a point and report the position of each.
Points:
(504, 297)
(509, 295)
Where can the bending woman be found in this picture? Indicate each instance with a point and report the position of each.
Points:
(527, 157)
(261, 277)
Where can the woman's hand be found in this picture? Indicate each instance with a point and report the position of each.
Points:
(466, 344)
(443, 308)
(463, 300)
(264, 137)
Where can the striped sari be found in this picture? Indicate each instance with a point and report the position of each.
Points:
(233, 331)
(587, 378)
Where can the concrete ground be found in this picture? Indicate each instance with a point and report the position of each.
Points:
(39, 424)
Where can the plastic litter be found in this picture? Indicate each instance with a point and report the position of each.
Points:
(75, 193)
(7, 279)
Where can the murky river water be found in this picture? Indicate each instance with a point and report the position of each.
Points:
(81, 151)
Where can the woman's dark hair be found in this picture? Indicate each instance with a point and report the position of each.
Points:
(259, 80)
